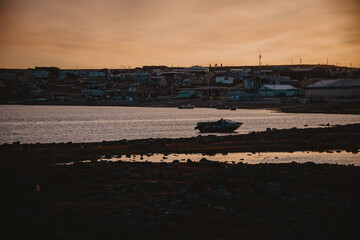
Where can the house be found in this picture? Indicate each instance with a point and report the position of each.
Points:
(140, 92)
(239, 74)
(224, 80)
(258, 81)
(89, 93)
(280, 90)
(133, 87)
(334, 88)
(238, 95)
(200, 91)
(198, 75)
(188, 94)
(158, 81)
(304, 72)
(96, 74)
(41, 74)
(8, 76)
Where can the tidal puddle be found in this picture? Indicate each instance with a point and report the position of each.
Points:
(330, 157)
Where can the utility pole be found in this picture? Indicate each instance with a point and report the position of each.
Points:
(260, 60)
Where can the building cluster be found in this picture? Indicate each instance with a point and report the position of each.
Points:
(159, 83)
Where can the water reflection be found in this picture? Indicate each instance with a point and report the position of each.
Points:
(330, 157)
(47, 124)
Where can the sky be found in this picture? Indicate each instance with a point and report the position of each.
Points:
(133, 33)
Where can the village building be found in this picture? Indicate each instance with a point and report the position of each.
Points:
(198, 75)
(224, 80)
(280, 90)
(333, 88)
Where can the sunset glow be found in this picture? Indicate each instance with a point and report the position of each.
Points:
(117, 33)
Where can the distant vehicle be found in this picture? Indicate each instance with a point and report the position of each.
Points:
(188, 106)
(226, 107)
(223, 107)
(221, 125)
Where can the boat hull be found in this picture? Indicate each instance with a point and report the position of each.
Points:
(218, 127)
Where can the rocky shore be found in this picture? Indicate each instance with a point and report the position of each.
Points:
(43, 199)
(202, 200)
(324, 138)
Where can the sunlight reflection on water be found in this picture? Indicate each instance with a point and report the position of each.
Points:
(47, 124)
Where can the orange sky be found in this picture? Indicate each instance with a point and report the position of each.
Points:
(111, 33)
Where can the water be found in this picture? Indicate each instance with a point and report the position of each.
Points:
(330, 157)
(46, 124)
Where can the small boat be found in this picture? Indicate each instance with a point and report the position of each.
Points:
(188, 106)
(221, 125)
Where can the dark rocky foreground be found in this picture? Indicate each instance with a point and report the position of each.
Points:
(203, 200)
(195, 200)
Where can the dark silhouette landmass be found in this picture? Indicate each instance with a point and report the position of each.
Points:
(43, 199)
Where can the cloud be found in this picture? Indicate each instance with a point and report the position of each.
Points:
(110, 33)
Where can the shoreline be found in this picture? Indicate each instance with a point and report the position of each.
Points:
(341, 137)
(336, 107)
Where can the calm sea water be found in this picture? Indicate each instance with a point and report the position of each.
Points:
(46, 124)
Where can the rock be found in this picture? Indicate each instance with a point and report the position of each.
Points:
(125, 172)
(165, 226)
(217, 194)
(176, 161)
(196, 188)
(204, 160)
(221, 208)
(273, 188)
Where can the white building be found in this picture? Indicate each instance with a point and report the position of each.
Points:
(280, 90)
(224, 80)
